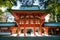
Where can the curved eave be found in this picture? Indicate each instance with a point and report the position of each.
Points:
(42, 11)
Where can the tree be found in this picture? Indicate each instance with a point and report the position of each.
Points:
(5, 6)
(53, 8)
(7, 3)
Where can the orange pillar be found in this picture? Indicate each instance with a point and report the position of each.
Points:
(24, 27)
(12, 30)
(46, 30)
(34, 27)
(17, 19)
(18, 29)
(40, 28)
(41, 22)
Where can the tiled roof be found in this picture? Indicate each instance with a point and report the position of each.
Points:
(29, 8)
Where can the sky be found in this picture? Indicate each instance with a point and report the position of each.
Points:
(36, 2)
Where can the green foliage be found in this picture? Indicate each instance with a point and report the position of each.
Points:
(1, 12)
(53, 8)
(6, 3)
(53, 5)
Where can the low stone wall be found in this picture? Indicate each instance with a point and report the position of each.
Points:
(30, 38)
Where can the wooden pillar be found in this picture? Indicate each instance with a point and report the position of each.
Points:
(17, 19)
(34, 27)
(24, 27)
(40, 28)
(46, 30)
(18, 29)
(12, 30)
(37, 23)
(41, 22)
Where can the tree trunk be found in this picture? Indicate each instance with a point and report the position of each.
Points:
(55, 18)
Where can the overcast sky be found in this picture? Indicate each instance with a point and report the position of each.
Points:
(36, 2)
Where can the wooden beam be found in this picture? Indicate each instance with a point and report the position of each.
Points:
(15, 16)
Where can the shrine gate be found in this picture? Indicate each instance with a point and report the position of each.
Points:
(29, 17)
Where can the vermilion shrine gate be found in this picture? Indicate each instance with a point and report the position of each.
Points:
(29, 17)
